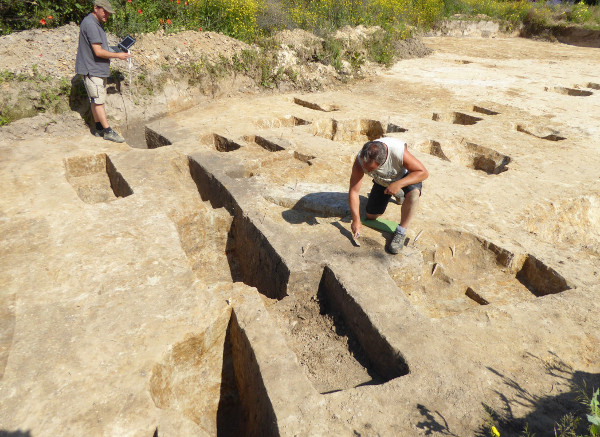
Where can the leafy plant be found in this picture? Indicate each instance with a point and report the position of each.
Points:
(18, 15)
(594, 416)
(580, 13)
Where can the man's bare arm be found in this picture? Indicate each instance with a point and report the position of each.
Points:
(353, 198)
(417, 173)
(105, 54)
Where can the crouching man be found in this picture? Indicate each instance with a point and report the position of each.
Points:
(393, 170)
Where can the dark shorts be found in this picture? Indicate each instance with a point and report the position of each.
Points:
(378, 200)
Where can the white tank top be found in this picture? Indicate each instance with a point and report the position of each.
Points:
(392, 168)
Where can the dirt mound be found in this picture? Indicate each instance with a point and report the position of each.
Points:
(170, 72)
(48, 52)
(51, 52)
(356, 33)
(297, 39)
(157, 49)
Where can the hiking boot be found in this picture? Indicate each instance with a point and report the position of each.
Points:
(111, 135)
(396, 243)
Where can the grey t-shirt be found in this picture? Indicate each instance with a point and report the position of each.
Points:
(91, 32)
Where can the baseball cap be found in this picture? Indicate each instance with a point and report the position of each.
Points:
(105, 4)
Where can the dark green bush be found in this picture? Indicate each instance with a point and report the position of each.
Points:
(18, 15)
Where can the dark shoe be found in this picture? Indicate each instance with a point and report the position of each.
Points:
(99, 133)
(111, 135)
(396, 243)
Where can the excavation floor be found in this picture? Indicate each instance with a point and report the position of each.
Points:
(209, 284)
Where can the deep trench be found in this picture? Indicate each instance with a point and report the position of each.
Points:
(243, 408)
(257, 263)
(244, 405)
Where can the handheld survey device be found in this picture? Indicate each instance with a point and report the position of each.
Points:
(126, 44)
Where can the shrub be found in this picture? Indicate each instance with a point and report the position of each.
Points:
(18, 15)
(322, 16)
(580, 13)
(236, 18)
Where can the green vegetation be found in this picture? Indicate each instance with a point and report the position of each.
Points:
(249, 20)
(42, 94)
(594, 416)
(572, 424)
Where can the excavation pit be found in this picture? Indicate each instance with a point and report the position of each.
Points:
(459, 271)
(223, 144)
(155, 140)
(95, 178)
(256, 160)
(304, 157)
(569, 91)
(456, 118)
(356, 130)
(269, 144)
(253, 258)
(212, 378)
(328, 332)
(541, 133)
(485, 111)
(380, 358)
(206, 239)
(277, 122)
(469, 155)
(316, 106)
(394, 128)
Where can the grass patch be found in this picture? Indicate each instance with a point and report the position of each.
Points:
(30, 94)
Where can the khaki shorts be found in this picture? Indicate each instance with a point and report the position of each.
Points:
(96, 89)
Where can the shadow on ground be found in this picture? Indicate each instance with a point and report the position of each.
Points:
(312, 206)
(560, 415)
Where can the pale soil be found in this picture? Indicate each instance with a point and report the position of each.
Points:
(462, 354)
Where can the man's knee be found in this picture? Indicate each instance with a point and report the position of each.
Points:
(413, 194)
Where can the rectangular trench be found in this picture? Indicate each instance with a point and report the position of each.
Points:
(259, 263)
(262, 267)
(387, 362)
(259, 417)
(213, 378)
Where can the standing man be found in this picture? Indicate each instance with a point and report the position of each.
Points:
(392, 168)
(93, 63)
